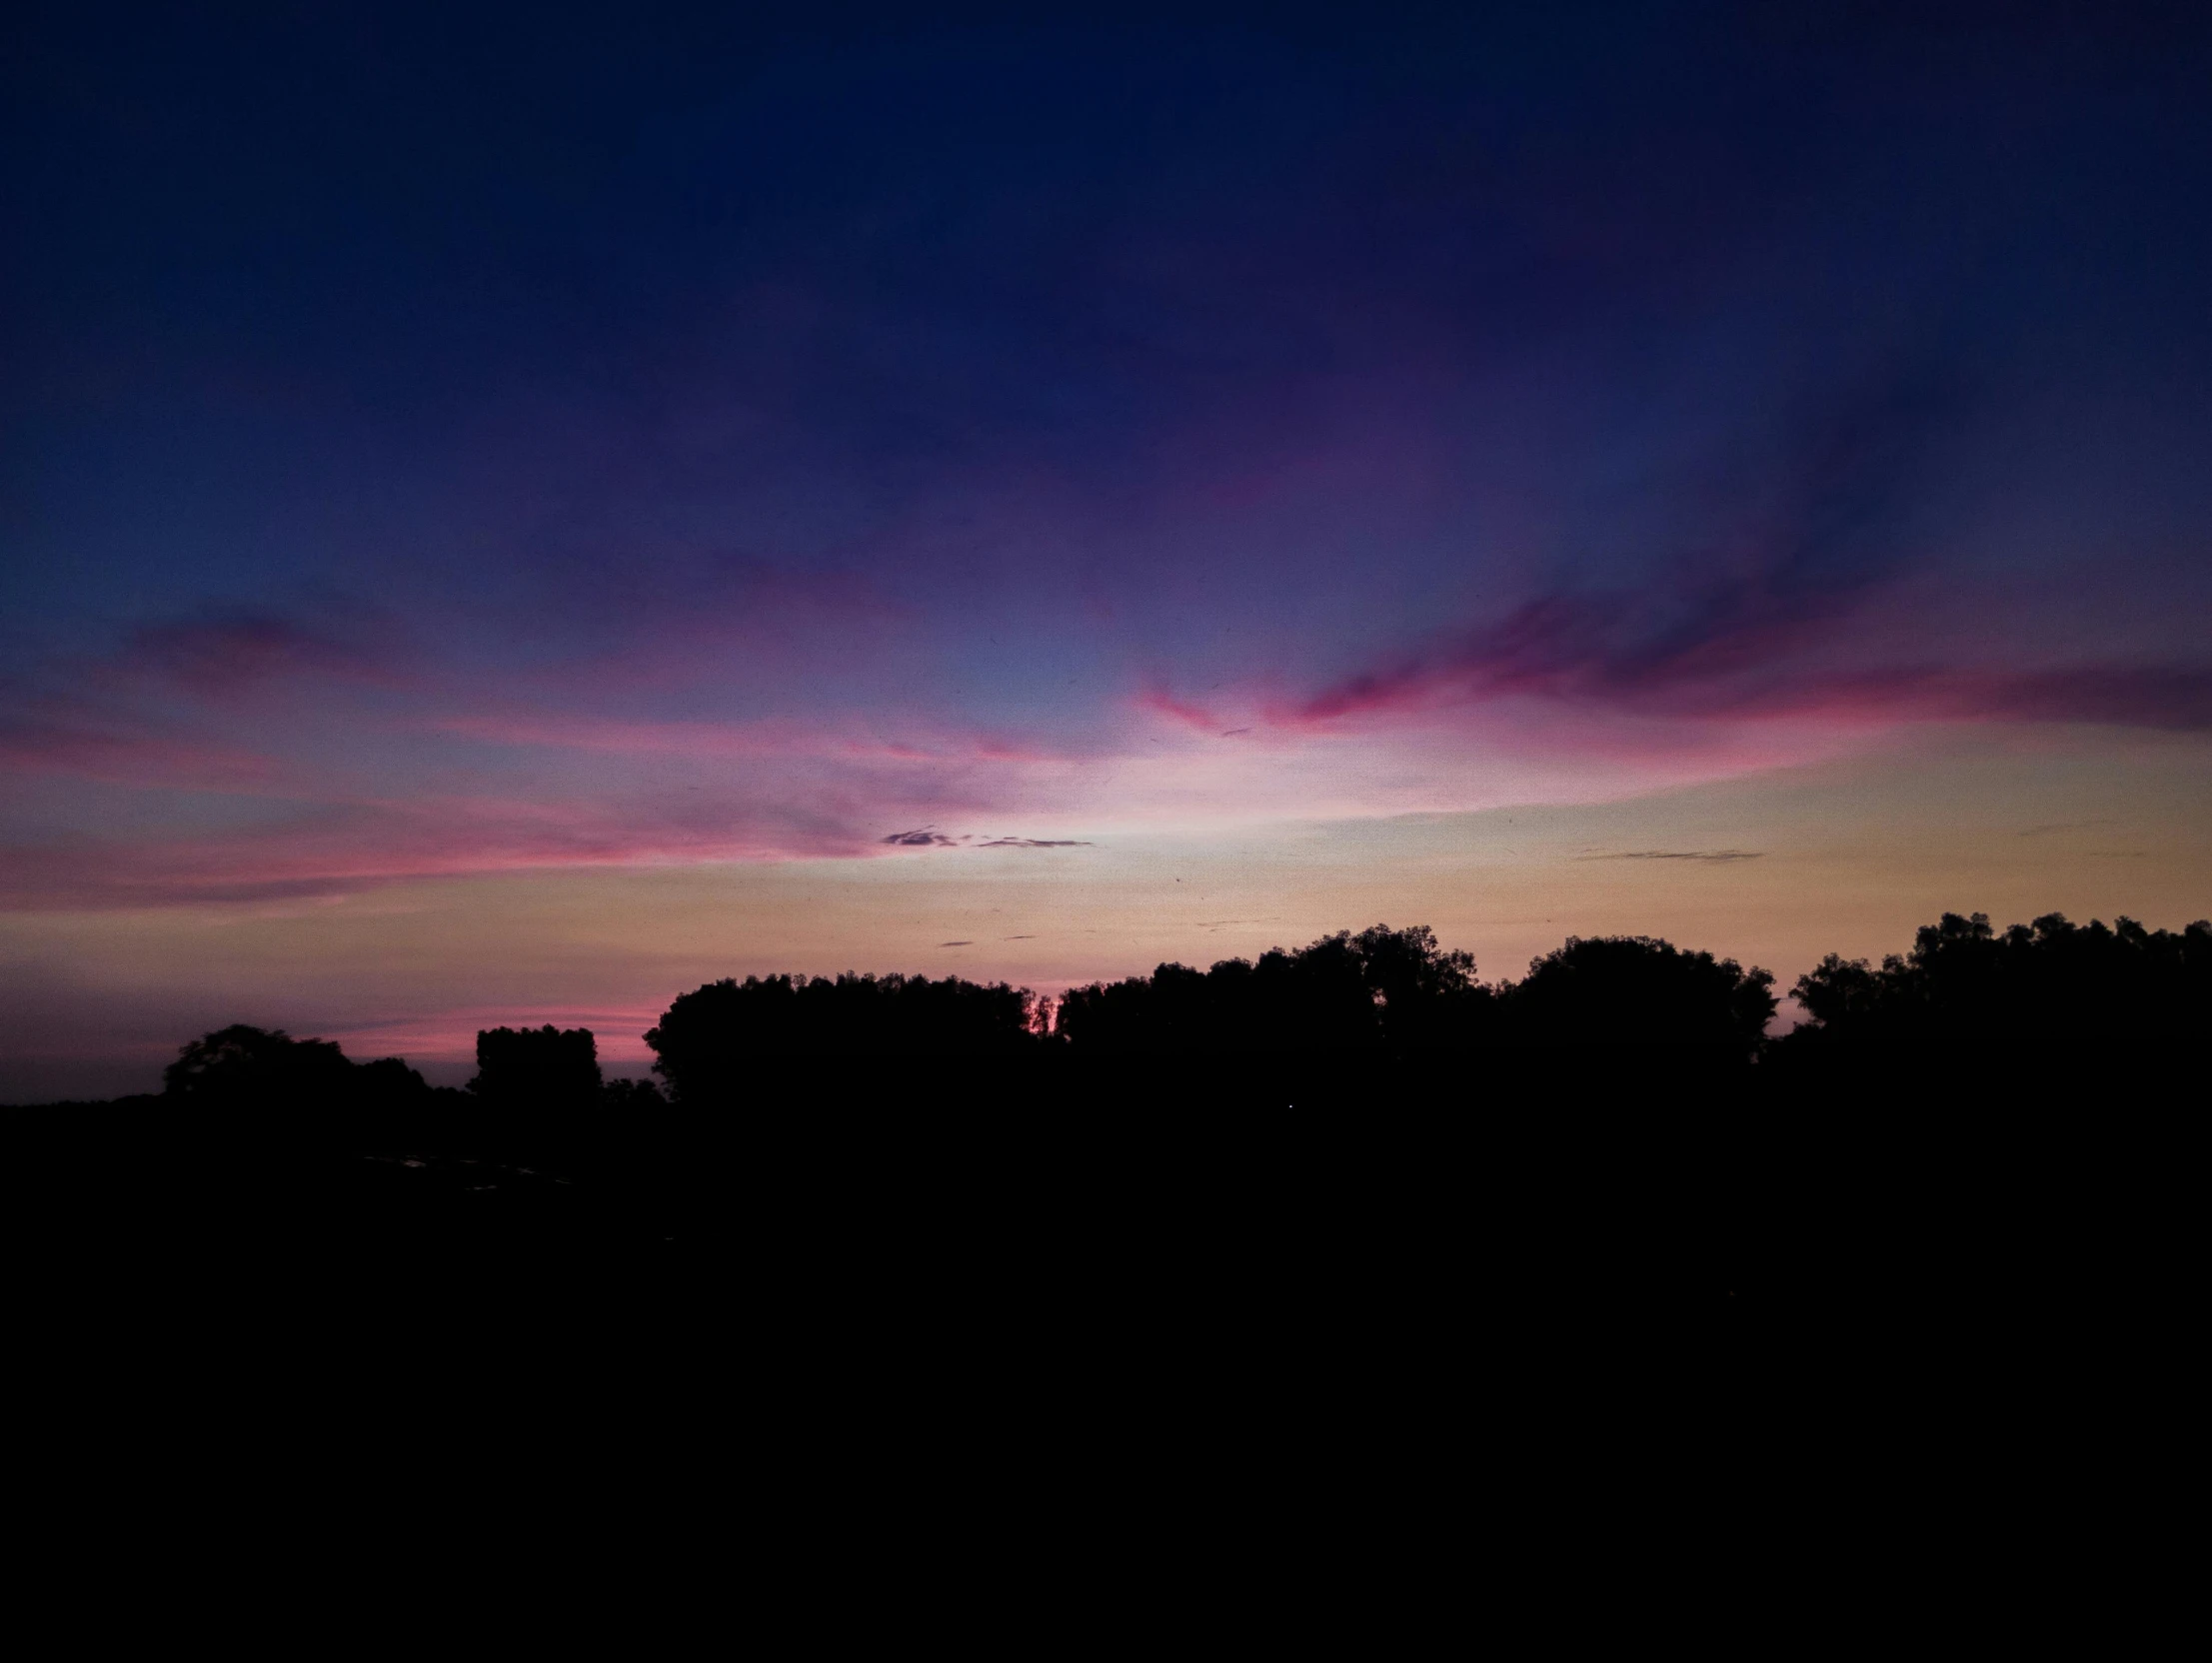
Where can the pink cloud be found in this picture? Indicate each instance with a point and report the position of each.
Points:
(345, 844)
(762, 738)
(2122, 694)
(1730, 660)
(227, 657)
(684, 738)
(144, 760)
(1162, 703)
(1581, 697)
(354, 846)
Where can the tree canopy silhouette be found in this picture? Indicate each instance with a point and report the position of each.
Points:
(710, 1044)
(243, 1066)
(1382, 991)
(2033, 989)
(1635, 991)
(541, 1067)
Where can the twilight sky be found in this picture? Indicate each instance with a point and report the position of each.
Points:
(509, 515)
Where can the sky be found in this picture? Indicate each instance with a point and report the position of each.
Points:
(507, 515)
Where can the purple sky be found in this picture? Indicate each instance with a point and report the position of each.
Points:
(467, 466)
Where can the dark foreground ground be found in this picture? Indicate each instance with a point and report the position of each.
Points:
(967, 1348)
(1587, 1300)
(1634, 1197)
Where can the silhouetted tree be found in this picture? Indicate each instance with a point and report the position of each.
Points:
(537, 1068)
(1636, 992)
(1171, 1013)
(389, 1080)
(1383, 992)
(710, 1044)
(243, 1066)
(1429, 998)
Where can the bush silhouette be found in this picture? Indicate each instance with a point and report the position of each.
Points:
(537, 1068)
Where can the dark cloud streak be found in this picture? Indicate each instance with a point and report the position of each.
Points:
(926, 837)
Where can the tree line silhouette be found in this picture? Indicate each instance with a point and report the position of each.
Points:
(2031, 989)
(1356, 1004)
(1395, 993)
(1611, 1142)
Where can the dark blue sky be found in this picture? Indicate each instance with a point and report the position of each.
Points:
(316, 309)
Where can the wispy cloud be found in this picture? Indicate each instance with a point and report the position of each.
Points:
(145, 758)
(1713, 855)
(773, 736)
(1160, 701)
(227, 656)
(339, 848)
(1591, 654)
(1784, 599)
